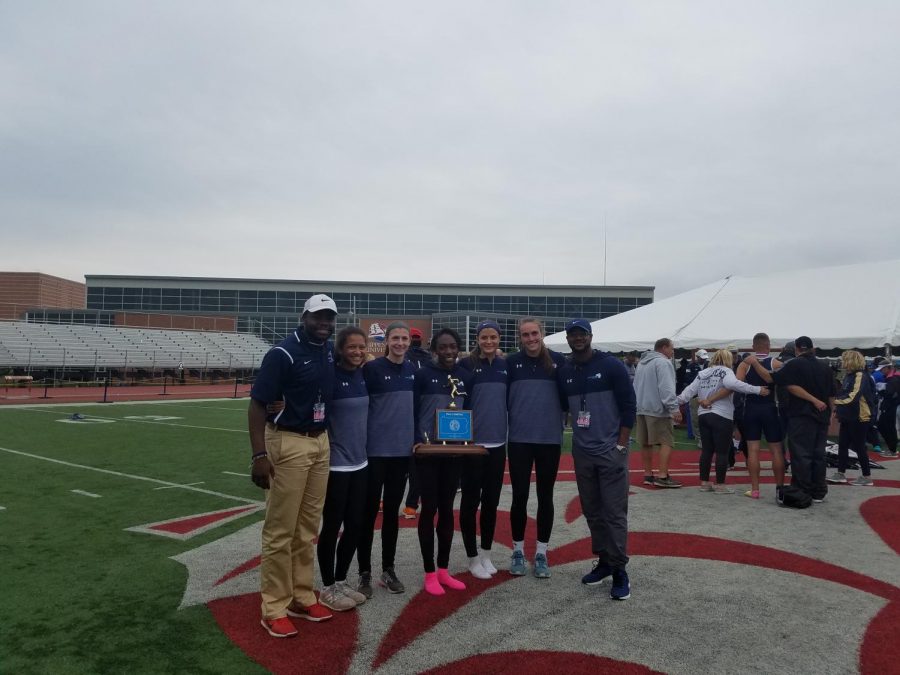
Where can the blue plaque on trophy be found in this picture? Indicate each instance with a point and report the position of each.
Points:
(453, 425)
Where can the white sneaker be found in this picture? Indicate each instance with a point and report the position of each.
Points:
(486, 563)
(477, 569)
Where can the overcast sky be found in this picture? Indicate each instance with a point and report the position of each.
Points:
(485, 142)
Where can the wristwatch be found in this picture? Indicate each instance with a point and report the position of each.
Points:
(622, 448)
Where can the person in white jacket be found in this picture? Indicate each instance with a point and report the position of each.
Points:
(716, 415)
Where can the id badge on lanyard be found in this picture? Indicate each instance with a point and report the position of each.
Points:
(319, 411)
(584, 419)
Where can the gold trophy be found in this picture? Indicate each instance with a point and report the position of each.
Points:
(453, 429)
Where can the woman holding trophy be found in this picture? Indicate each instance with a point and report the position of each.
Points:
(439, 385)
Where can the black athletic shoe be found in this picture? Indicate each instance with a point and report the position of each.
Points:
(621, 588)
(365, 584)
(597, 575)
(666, 482)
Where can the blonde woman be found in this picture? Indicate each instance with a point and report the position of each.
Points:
(717, 421)
(853, 408)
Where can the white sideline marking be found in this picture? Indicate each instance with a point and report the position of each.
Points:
(97, 418)
(169, 487)
(2, 508)
(86, 494)
(132, 476)
(242, 475)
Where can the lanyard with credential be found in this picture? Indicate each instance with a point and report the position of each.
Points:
(584, 416)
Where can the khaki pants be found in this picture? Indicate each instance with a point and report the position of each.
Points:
(293, 514)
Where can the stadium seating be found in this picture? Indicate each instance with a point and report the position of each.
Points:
(40, 345)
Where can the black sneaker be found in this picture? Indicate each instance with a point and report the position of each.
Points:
(597, 575)
(779, 495)
(621, 588)
(666, 482)
(390, 581)
(364, 585)
(648, 480)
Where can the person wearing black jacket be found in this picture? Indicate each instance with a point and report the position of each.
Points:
(811, 386)
(854, 406)
(889, 393)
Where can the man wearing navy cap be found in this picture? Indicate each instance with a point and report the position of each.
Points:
(601, 401)
(290, 460)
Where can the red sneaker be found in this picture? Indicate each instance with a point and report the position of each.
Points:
(315, 612)
(281, 627)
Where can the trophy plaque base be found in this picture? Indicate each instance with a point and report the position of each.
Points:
(448, 449)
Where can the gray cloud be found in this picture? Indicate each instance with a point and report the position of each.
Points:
(359, 140)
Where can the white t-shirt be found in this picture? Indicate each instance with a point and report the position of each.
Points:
(711, 380)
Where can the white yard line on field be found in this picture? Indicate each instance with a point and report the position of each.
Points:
(242, 475)
(164, 424)
(85, 493)
(130, 475)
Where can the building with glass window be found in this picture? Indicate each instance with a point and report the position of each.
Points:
(270, 307)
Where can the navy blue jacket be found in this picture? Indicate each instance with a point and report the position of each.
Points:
(603, 388)
(534, 402)
(487, 394)
(347, 423)
(390, 423)
(300, 373)
(432, 392)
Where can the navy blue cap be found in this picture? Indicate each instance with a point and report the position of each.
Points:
(583, 324)
(487, 324)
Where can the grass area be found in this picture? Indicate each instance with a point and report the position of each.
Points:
(79, 593)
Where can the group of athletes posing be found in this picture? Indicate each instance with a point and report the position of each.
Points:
(340, 448)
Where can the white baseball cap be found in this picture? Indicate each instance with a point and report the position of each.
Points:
(319, 302)
(702, 354)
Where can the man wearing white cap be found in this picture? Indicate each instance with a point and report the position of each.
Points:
(290, 460)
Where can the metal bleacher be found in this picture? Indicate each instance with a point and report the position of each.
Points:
(41, 345)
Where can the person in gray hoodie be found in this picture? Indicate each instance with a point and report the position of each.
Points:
(654, 387)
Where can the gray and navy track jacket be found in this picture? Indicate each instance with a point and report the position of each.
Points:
(534, 401)
(602, 387)
(348, 421)
(390, 424)
(487, 399)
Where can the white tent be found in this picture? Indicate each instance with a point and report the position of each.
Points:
(845, 307)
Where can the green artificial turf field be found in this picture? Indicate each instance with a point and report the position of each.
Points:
(79, 592)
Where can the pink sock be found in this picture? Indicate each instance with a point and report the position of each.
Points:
(446, 580)
(432, 585)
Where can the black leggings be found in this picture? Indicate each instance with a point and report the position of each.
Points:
(438, 479)
(482, 480)
(344, 505)
(852, 436)
(545, 459)
(412, 495)
(715, 436)
(387, 474)
(887, 426)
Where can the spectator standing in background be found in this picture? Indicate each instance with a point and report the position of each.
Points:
(654, 385)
